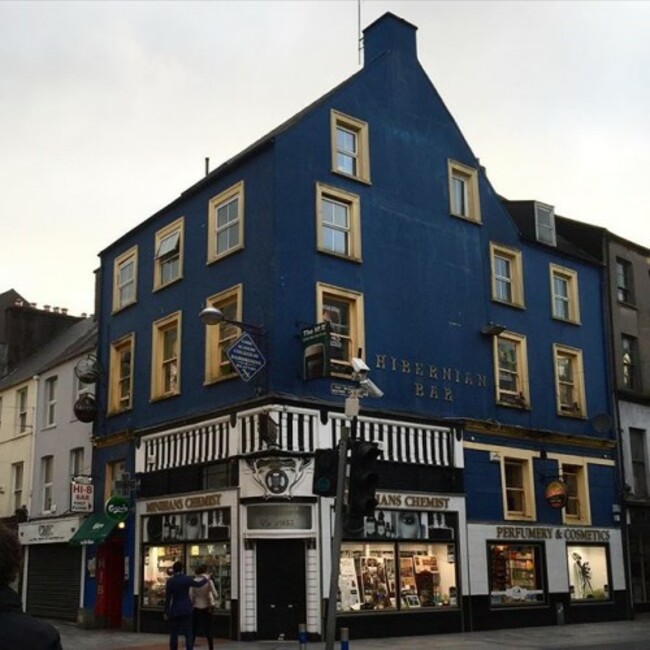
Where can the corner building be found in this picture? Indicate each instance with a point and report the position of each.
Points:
(363, 226)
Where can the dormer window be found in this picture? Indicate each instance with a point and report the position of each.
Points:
(545, 223)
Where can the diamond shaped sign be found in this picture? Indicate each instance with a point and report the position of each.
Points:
(246, 357)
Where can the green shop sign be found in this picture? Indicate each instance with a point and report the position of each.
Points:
(118, 508)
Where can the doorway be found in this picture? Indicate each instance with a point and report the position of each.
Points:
(281, 591)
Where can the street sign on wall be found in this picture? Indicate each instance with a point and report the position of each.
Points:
(246, 357)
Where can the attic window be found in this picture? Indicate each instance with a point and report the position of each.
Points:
(545, 223)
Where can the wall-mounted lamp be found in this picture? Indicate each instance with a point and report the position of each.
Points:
(493, 329)
(213, 316)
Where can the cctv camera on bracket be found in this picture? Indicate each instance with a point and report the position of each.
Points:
(359, 365)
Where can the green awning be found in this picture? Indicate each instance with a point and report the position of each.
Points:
(94, 530)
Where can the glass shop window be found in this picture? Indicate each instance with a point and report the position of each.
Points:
(516, 575)
(588, 573)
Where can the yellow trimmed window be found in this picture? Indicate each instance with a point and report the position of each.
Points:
(220, 337)
(350, 147)
(166, 357)
(569, 381)
(576, 510)
(168, 264)
(125, 273)
(511, 370)
(507, 275)
(226, 222)
(338, 216)
(120, 390)
(463, 192)
(343, 310)
(564, 292)
(517, 485)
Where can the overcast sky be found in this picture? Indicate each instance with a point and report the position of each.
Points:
(108, 110)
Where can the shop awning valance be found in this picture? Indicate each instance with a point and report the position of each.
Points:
(94, 530)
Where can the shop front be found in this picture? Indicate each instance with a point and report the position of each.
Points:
(543, 575)
(403, 570)
(195, 529)
(53, 568)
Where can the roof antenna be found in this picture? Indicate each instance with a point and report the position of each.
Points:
(207, 166)
(360, 36)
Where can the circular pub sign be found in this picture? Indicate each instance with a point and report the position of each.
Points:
(118, 508)
(556, 494)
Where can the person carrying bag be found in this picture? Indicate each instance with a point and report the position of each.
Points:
(204, 599)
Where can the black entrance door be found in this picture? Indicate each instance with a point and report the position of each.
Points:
(280, 587)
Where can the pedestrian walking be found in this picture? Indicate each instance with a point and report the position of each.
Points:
(178, 606)
(204, 599)
(17, 629)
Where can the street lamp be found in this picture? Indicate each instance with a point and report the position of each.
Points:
(365, 388)
(213, 316)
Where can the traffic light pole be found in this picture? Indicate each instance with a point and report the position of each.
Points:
(335, 565)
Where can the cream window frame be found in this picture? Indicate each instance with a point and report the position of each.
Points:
(49, 414)
(159, 362)
(120, 262)
(236, 191)
(525, 461)
(356, 335)
(361, 157)
(114, 471)
(580, 470)
(170, 230)
(469, 177)
(516, 279)
(579, 409)
(545, 232)
(573, 297)
(47, 478)
(22, 409)
(219, 338)
(353, 230)
(116, 403)
(521, 397)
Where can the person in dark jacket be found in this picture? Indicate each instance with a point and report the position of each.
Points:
(17, 629)
(178, 606)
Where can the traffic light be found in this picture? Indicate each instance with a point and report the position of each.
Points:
(326, 471)
(363, 479)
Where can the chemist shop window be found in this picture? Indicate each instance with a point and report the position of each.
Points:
(401, 560)
(589, 577)
(194, 538)
(516, 574)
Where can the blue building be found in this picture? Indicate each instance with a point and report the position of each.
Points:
(362, 227)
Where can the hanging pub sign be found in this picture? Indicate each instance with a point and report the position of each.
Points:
(118, 508)
(556, 494)
(316, 351)
(88, 370)
(85, 408)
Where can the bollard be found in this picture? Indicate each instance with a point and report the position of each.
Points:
(345, 640)
(302, 636)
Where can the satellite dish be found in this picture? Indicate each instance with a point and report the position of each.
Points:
(88, 370)
(602, 422)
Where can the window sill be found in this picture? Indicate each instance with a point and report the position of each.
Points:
(159, 398)
(117, 310)
(213, 259)
(341, 256)
(352, 177)
(217, 380)
(505, 303)
(567, 321)
(160, 287)
(470, 219)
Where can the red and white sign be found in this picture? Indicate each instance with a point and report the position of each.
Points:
(81, 497)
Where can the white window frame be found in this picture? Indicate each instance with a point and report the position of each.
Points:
(545, 223)
(630, 362)
(77, 460)
(351, 231)
(579, 408)
(22, 409)
(17, 481)
(51, 384)
(359, 155)
(233, 193)
(515, 281)
(572, 298)
(47, 478)
(471, 208)
(163, 258)
(625, 281)
(125, 291)
(519, 398)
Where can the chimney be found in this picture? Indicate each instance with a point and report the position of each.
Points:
(389, 34)
(55, 310)
(64, 310)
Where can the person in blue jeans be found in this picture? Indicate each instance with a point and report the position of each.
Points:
(178, 606)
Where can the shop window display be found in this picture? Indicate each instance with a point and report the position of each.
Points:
(192, 538)
(588, 572)
(516, 574)
(379, 574)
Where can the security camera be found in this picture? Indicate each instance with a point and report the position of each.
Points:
(371, 388)
(359, 365)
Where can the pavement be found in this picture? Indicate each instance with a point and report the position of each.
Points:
(617, 635)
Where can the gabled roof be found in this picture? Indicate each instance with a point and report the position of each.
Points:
(74, 341)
